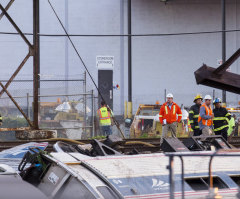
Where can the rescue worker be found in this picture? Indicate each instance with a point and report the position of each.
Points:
(169, 116)
(205, 117)
(231, 125)
(194, 114)
(221, 119)
(104, 115)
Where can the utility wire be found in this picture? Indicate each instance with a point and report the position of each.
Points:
(126, 35)
(115, 121)
(79, 56)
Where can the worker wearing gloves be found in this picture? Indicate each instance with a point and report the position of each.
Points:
(169, 116)
(104, 115)
(221, 119)
(194, 114)
(205, 117)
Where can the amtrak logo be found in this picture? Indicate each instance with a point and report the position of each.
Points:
(159, 185)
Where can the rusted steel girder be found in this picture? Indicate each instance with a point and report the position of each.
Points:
(220, 78)
(15, 73)
(33, 51)
(15, 129)
(6, 8)
(9, 95)
(16, 27)
(36, 62)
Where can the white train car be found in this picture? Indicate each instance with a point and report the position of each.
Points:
(74, 175)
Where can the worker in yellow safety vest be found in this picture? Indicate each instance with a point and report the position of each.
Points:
(104, 115)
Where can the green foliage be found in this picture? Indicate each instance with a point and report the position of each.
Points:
(13, 122)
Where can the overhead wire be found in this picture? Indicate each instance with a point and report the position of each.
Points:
(126, 35)
(83, 63)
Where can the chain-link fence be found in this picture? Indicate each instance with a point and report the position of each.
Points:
(64, 105)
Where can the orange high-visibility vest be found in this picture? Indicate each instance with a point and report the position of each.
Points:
(173, 115)
(208, 112)
(104, 116)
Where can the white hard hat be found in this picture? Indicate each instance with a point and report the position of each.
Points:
(207, 97)
(170, 95)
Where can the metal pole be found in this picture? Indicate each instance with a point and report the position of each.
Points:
(223, 4)
(85, 99)
(92, 134)
(129, 51)
(66, 49)
(122, 55)
(36, 62)
(171, 180)
(28, 109)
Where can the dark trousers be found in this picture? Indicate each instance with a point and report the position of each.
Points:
(106, 130)
(222, 132)
(197, 132)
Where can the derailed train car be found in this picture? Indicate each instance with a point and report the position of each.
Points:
(75, 175)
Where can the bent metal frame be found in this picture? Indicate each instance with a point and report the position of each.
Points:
(33, 52)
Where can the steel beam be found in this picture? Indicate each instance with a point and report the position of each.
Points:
(6, 8)
(36, 62)
(19, 108)
(129, 51)
(229, 81)
(16, 72)
(16, 27)
(223, 41)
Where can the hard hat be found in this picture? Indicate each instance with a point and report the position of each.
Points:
(170, 95)
(217, 100)
(207, 97)
(198, 96)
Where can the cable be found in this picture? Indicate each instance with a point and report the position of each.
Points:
(127, 35)
(114, 120)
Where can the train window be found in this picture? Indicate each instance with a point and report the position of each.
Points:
(74, 189)
(197, 184)
(236, 179)
(106, 192)
(202, 183)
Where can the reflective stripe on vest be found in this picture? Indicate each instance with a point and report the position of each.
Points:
(104, 116)
(195, 116)
(219, 118)
(220, 128)
(166, 110)
(174, 110)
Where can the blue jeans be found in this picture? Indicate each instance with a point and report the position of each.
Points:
(106, 130)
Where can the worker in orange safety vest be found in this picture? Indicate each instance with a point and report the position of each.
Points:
(205, 119)
(169, 116)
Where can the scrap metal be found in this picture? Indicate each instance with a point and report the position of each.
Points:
(220, 78)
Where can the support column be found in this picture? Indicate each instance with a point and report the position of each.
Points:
(223, 5)
(36, 63)
(129, 58)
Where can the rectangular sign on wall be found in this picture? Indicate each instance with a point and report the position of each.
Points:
(105, 62)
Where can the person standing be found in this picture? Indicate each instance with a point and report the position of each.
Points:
(105, 123)
(169, 116)
(205, 121)
(231, 125)
(194, 114)
(221, 119)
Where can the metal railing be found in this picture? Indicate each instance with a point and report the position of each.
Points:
(219, 153)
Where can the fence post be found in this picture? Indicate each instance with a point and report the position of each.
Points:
(85, 100)
(93, 129)
(28, 109)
